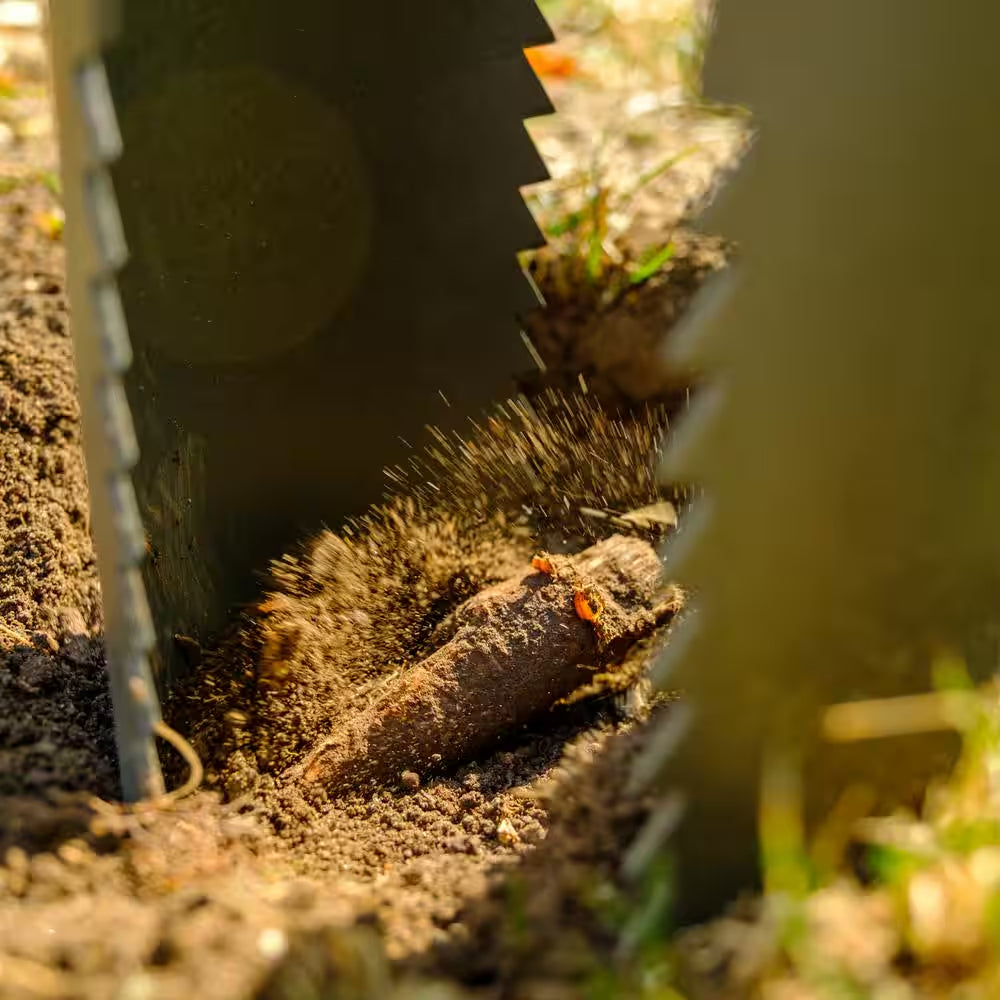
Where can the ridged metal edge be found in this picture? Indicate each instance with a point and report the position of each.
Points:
(90, 142)
(691, 349)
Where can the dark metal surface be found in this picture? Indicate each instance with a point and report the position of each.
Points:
(848, 439)
(321, 206)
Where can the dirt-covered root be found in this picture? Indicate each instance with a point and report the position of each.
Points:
(516, 648)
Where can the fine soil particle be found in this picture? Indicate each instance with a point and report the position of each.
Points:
(250, 887)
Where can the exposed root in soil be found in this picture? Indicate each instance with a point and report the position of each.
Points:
(518, 647)
(352, 611)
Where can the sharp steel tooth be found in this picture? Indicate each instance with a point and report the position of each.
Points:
(90, 141)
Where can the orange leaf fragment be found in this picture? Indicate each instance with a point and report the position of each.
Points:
(545, 62)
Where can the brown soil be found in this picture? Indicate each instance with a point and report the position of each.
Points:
(48, 578)
(608, 336)
(55, 714)
(247, 886)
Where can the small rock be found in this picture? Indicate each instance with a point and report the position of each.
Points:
(506, 833)
(410, 780)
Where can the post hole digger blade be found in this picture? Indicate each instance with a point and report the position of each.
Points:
(848, 436)
(291, 237)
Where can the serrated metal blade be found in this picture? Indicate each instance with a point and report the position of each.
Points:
(90, 142)
(853, 464)
(320, 204)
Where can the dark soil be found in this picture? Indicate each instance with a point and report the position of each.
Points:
(248, 886)
(607, 336)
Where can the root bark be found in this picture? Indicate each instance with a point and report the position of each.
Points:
(512, 651)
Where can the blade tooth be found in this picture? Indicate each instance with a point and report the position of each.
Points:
(99, 109)
(698, 342)
(90, 141)
(518, 86)
(132, 539)
(517, 226)
(528, 296)
(649, 765)
(532, 25)
(510, 220)
(689, 450)
(681, 649)
(683, 553)
(119, 431)
(655, 833)
(116, 349)
(536, 101)
(140, 622)
(523, 294)
(523, 25)
(532, 167)
(105, 220)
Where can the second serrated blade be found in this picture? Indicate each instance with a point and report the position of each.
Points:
(849, 439)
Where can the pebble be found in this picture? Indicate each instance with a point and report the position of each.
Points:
(506, 833)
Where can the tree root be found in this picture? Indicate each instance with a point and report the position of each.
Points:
(512, 651)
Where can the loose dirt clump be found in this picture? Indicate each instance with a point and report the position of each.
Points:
(609, 333)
